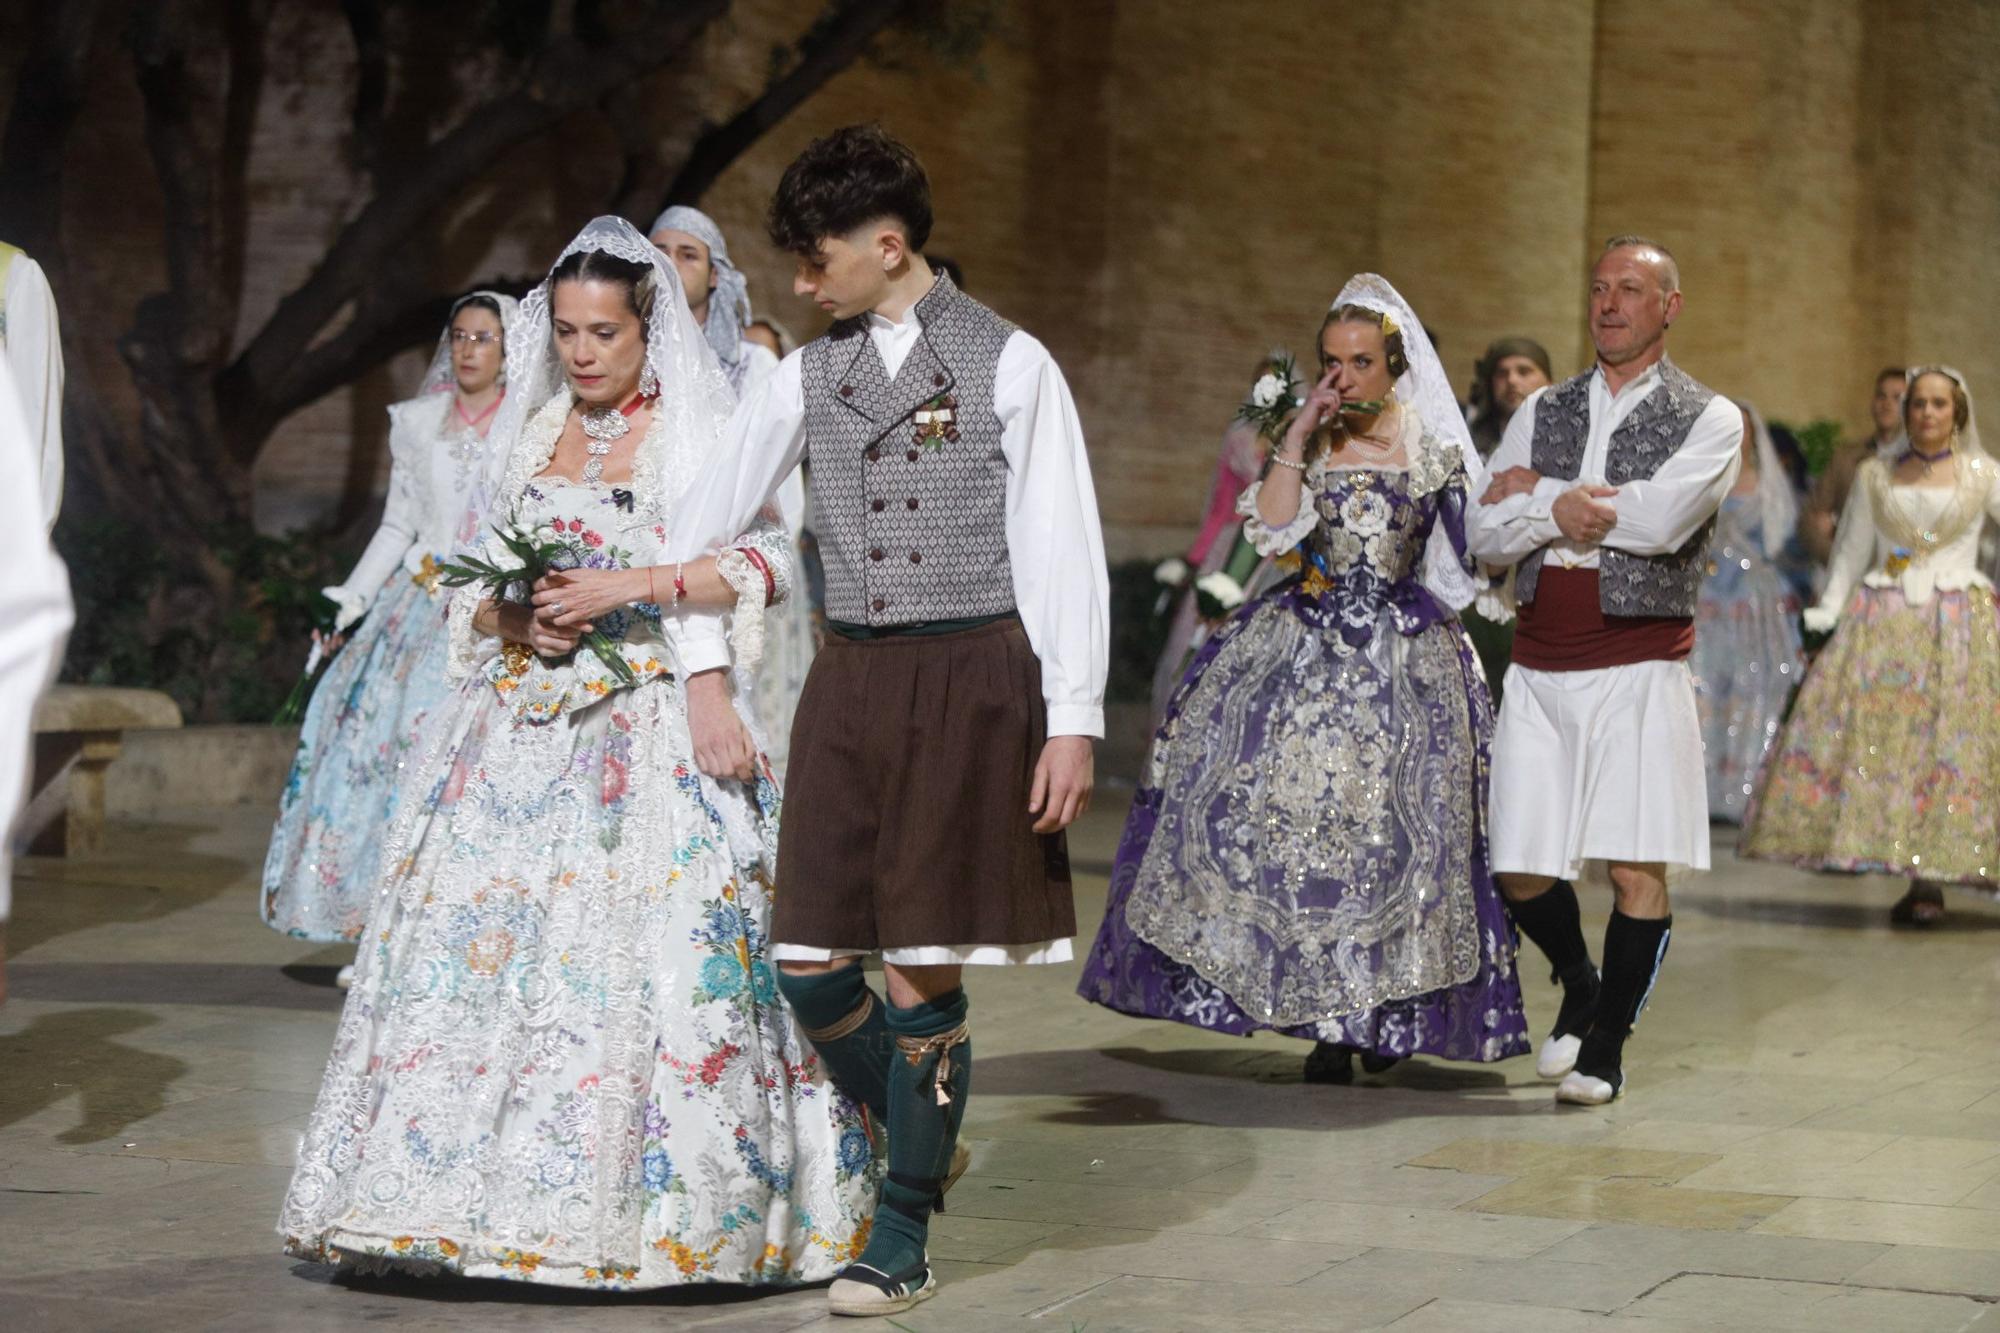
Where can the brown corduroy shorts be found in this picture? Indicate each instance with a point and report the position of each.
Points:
(906, 818)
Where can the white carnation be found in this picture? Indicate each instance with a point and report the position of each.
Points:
(1172, 571)
(1227, 592)
(1267, 391)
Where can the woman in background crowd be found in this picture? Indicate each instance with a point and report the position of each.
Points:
(361, 728)
(1890, 761)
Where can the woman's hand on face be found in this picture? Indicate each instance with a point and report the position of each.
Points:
(722, 745)
(575, 599)
(1321, 405)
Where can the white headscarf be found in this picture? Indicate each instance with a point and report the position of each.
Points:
(729, 303)
(442, 376)
(694, 397)
(1425, 389)
(1777, 502)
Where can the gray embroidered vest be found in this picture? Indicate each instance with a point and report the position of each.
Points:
(1627, 584)
(911, 515)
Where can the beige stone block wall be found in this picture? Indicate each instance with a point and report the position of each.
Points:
(1162, 191)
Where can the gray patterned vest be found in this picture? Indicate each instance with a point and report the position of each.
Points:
(1627, 584)
(911, 529)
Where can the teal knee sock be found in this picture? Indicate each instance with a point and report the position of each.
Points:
(926, 1106)
(848, 1026)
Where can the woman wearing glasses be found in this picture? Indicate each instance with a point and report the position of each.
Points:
(364, 717)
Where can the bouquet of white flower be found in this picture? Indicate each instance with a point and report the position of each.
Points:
(1273, 399)
(537, 552)
(1216, 595)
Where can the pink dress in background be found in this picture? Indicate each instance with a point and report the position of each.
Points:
(1241, 458)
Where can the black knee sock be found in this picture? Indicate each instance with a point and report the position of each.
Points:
(848, 1026)
(1634, 948)
(1552, 922)
(928, 1083)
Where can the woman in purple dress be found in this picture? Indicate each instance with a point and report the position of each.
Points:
(1309, 851)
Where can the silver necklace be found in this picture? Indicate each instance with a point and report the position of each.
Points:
(604, 426)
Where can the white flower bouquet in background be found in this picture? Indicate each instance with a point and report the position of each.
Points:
(1216, 595)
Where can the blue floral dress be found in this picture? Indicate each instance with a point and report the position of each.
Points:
(1308, 853)
(362, 728)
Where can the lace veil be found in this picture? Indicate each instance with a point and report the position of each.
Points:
(695, 398)
(1425, 389)
(1968, 438)
(441, 378)
(1777, 502)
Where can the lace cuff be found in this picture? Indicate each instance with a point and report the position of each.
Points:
(469, 649)
(746, 623)
(1271, 541)
(1495, 601)
(1820, 620)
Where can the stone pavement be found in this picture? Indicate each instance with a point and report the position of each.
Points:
(1812, 1139)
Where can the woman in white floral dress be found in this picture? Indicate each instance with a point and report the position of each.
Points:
(564, 1059)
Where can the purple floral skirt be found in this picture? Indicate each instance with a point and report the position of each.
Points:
(1245, 828)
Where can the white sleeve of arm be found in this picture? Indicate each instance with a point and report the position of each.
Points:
(384, 553)
(762, 445)
(1658, 515)
(1503, 533)
(1271, 541)
(1054, 541)
(35, 617)
(34, 352)
(1853, 552)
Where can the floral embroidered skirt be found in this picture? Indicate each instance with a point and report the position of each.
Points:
(1891, 759)
(564, 1059)
(361, 733)
(1746, 663)
(1309, 853)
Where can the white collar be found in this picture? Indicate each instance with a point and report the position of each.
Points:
(1641, 384)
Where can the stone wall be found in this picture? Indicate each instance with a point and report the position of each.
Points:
(1162, 191)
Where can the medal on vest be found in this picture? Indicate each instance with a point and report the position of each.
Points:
(936, 422)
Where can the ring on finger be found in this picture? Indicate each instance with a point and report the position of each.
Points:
(556, 607)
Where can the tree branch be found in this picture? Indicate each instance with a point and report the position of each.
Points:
(569, 75)
(838, 38)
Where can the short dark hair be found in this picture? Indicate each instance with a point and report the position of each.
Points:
(947, 265)
(1890, 373)
(850, 177)
(637, 279)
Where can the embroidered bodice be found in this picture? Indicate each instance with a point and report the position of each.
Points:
(1919, 538)
(612, 525)
(1362, 540)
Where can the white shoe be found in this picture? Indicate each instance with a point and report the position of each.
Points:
(1557, 1056)
(345, 978)
(1586, 1090)
(878, 1293)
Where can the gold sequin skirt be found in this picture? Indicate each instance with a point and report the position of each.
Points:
(1890, 761)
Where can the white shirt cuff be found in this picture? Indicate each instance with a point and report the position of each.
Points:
(700, 652)
(1076, 720)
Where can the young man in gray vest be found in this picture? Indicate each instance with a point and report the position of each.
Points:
(1604, 492)
(944, 737)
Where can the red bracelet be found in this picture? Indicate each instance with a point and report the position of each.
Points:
(756, 557)
(680, 584)
(652, 594)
